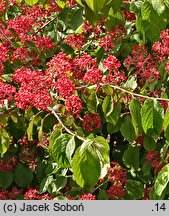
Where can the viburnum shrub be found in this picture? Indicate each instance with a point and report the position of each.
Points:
(84, 99)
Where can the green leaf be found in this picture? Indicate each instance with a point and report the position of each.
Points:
(107, 89)
(135, 110)
(164, 151)
(70, 148)
(76, 19)
(19, 1)
(146, 169)
(95, 5)
(44, 185)
(153, 23)
(4, 141)
(54, 135)
(86, 168)
(108, 105)
(158, 6)
(60, 183)
(152, 117)
(136, 7)
(114, 116)
(113, 129)
(127, 129)
(131, 157)
(166, 123)
(58, 150)
(92, 103)
(31, 2)
(131, 83)
(79, 2)
(30, 129)
(102, 195)
(22, 176)
(40, 171)
(60, 198)
(157, 192)
(6, 179)
(135, 189)
(103, 149)
(149, 143)
(116, 4)
(40, 133)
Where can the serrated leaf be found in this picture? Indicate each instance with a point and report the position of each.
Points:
(58, 150)
(40, 171)
(86, 168)
(131, 83)
(76, 19)
(166, 120)
(149, 143)
(108, 105)
(60, 183)
(135, 189)
(44, 185)
(114, 116)
(4, 141)
(158, 6)
(131, 157)
(95, 5)
(152, 114)
(152, 22)
(102, 195)
(135, 110)
(54, 135)
(30, 129)
(70, 148)
(127, 129)
(23, 176)
(103, 149)
(6, 179)
(161, 182)
(92, 103)
(31, 2)
(85, 145)
(116, 4)
(107, 89)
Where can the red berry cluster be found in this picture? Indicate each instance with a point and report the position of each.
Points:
(74, 105)
(91, 122)
(118, 177)
(64, 86)
(9, 164)
(88, 196)
(34, 194)
(76, 41)
(7, 92)
(153, 159)
(10, 195)
(34, 89)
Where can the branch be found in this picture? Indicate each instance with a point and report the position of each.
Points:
(67, 129)
(123, 90)
(43, 26)
(6, 37)
(137, 95)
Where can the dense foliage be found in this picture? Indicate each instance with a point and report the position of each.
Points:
(84, 99)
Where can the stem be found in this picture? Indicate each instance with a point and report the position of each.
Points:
(137, 95)
(99, 186)
(67, 129)
(123, 90)
(6, 37)
(43, 26)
